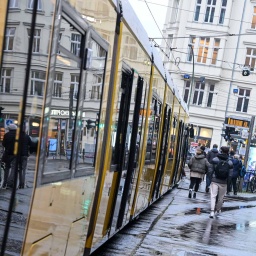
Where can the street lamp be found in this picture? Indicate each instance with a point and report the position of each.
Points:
(193, 73)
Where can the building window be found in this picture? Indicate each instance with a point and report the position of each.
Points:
(243, 100)
(223, 11)
(74, 84)
(130, 48)
(210, 96)
(175, 10)
(31, 4)
(186, 91)
(36, 41)
(75, 44)
(57, 86)
(210, 9)
(215, 51)
(9, 39)
(198, 94)
(13, 4)
(6, 80)
(192, 40)
(96, 87)
(250, 57)
(203, 49)
(37, 83)
(254, 18)
(197, 11)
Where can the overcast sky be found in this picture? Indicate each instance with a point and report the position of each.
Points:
(158, 10)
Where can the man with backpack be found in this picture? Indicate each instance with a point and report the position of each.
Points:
(222, 169)
(211, 154)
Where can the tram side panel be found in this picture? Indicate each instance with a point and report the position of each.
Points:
(62, 206)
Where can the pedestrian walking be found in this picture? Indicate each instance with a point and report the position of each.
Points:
(237, 166)
(198, 165)
(222, 169)
(211, 154)
(24, 154)
(229, 181)
(8, 144)
(203, 150)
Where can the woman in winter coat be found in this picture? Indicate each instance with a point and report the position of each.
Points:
(237, 165)
(198, 167)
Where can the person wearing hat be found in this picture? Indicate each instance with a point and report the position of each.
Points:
(8, 144)
(198, 165)
(221, 164)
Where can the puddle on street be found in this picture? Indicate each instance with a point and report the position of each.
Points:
(223, 209)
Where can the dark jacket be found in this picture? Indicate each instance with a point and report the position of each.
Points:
(211, 154)
(9, 141)
(215, 161)
(237, 165)
(199, 164)
(25, 145)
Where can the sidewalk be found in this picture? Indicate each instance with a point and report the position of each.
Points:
(178, 226)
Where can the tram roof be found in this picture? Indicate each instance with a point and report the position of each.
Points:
(139, 31)
(134, 23)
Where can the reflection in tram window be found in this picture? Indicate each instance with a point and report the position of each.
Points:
(37, 82)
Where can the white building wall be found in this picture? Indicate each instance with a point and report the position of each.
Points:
(225, 75)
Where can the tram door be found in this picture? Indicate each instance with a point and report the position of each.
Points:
(163, 148)
(126, 146)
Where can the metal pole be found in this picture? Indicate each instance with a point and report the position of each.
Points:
(249, 141)
(193, 74)
(234, 65)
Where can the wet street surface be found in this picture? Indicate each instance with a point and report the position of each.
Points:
(173, 226)
(179, 226)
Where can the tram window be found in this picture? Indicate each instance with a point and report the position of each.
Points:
(92, 93)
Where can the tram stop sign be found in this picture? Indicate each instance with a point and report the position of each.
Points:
(8, 122)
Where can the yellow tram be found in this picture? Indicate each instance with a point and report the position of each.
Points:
(83, 79)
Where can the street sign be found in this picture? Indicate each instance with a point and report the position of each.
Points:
(8, 122)
(235, 90)
(186, 77)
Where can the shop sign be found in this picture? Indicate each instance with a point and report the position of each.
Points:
(59, 112)
(237, 122)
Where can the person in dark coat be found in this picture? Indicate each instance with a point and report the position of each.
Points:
(218, 186)
(198, 165)
(24, 154)
(211, 154)
(229, 181)
(8, 144)
(237, 166)
(203, 150)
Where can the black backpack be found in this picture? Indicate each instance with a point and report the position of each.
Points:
(222, 170)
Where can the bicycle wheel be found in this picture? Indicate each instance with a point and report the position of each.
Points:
(1, 174)
(252, 184)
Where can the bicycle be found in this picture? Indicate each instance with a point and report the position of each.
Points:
(1, 169)
(252, 183)
(250, 177)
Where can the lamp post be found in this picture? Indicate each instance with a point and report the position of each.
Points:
(193, 73)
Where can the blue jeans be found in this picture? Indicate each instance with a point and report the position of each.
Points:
(208, 181)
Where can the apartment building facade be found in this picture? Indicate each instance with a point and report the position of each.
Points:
(209, 43)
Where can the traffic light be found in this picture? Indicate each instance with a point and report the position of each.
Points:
(246, 72)
(228, 132)
(90, 124)
(191, 131)
(1, 114)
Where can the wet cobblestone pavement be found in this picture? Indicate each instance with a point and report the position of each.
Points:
(179, 226)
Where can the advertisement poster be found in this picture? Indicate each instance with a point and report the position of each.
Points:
(52, 144)
(252, 159)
